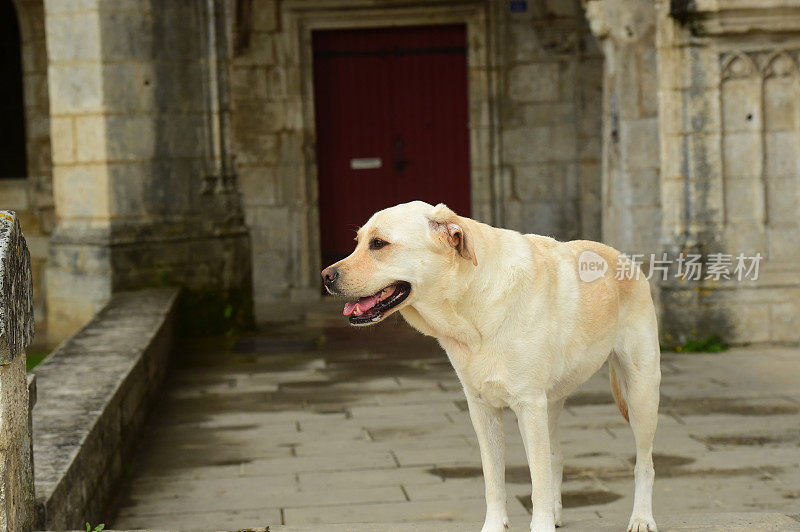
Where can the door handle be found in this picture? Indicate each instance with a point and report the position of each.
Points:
(400, 162)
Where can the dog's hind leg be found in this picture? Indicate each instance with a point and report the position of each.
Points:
(556, 455)
(636, 362)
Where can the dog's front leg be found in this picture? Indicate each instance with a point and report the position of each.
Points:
(488, 423)
(532, 414)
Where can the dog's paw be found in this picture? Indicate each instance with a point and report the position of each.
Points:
(543, 523)
(557, 511)
(642, 524)
(499, 524)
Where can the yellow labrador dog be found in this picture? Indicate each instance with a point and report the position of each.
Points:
(522, 330)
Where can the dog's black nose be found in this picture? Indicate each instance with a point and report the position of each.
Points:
(329, 276)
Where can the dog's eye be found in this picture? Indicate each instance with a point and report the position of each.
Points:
(377, 243)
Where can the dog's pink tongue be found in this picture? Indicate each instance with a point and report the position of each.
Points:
(365, 303)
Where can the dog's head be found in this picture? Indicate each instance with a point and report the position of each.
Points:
(403, 253)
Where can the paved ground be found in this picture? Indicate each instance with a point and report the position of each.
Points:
(319, 424)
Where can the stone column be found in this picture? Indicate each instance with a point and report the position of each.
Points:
(17, 501)
(729, 73)
(630, 182)
(142, 184)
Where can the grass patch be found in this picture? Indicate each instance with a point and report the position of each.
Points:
(709, 344)
(34, 357)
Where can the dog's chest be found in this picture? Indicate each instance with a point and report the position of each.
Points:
(495, 393)
(488, 381)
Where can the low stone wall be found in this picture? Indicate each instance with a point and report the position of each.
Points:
(94, 393)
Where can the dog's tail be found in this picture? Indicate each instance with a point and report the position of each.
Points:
(618, 398)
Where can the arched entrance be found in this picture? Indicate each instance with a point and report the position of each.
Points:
(13, 159)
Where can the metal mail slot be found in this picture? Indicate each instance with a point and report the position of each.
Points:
(366, 163)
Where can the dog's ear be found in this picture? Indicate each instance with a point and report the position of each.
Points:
(445, 222)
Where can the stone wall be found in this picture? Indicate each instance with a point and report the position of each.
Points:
(550, 120)
(142, 179)
(535, 87)
(728, 85)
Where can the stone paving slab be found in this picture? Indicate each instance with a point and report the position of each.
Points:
(755, 522)
(370, 432)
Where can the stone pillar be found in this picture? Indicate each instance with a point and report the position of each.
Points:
(143, 186)
(730, 130)
(79, 264)
(17, 501)
(630, 184)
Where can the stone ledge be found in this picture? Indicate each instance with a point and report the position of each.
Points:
(94, 393)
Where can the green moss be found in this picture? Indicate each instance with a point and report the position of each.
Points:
(208, 312)
(707, 344)
(34, 357)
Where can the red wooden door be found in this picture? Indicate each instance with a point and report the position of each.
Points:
(392, 124)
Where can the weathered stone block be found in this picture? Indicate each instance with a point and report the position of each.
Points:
(646, 188)
(780, 157)
(127, 87)
(740, 105)
(744, 199)
(269, 227)
(81, 191)
(783, 244)
(265, 15)
(562, 8)
(259, 185)
(130, 137)
(278, 83)
(127, 183)
(783, 199)
(128, 35)
(260, 118)
(780, 104)
(743, 237)
(785, 321)
(68, 6)
(742, 154)
(542, 182)
(16, 289)
(73, 37)
(249, 82)
(640, 138)
(75, 88)
(522, 41)
(90, 138)
(536, 82)
(540, 144)
(260, 52)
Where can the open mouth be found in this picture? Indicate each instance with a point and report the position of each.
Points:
(374, 308)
